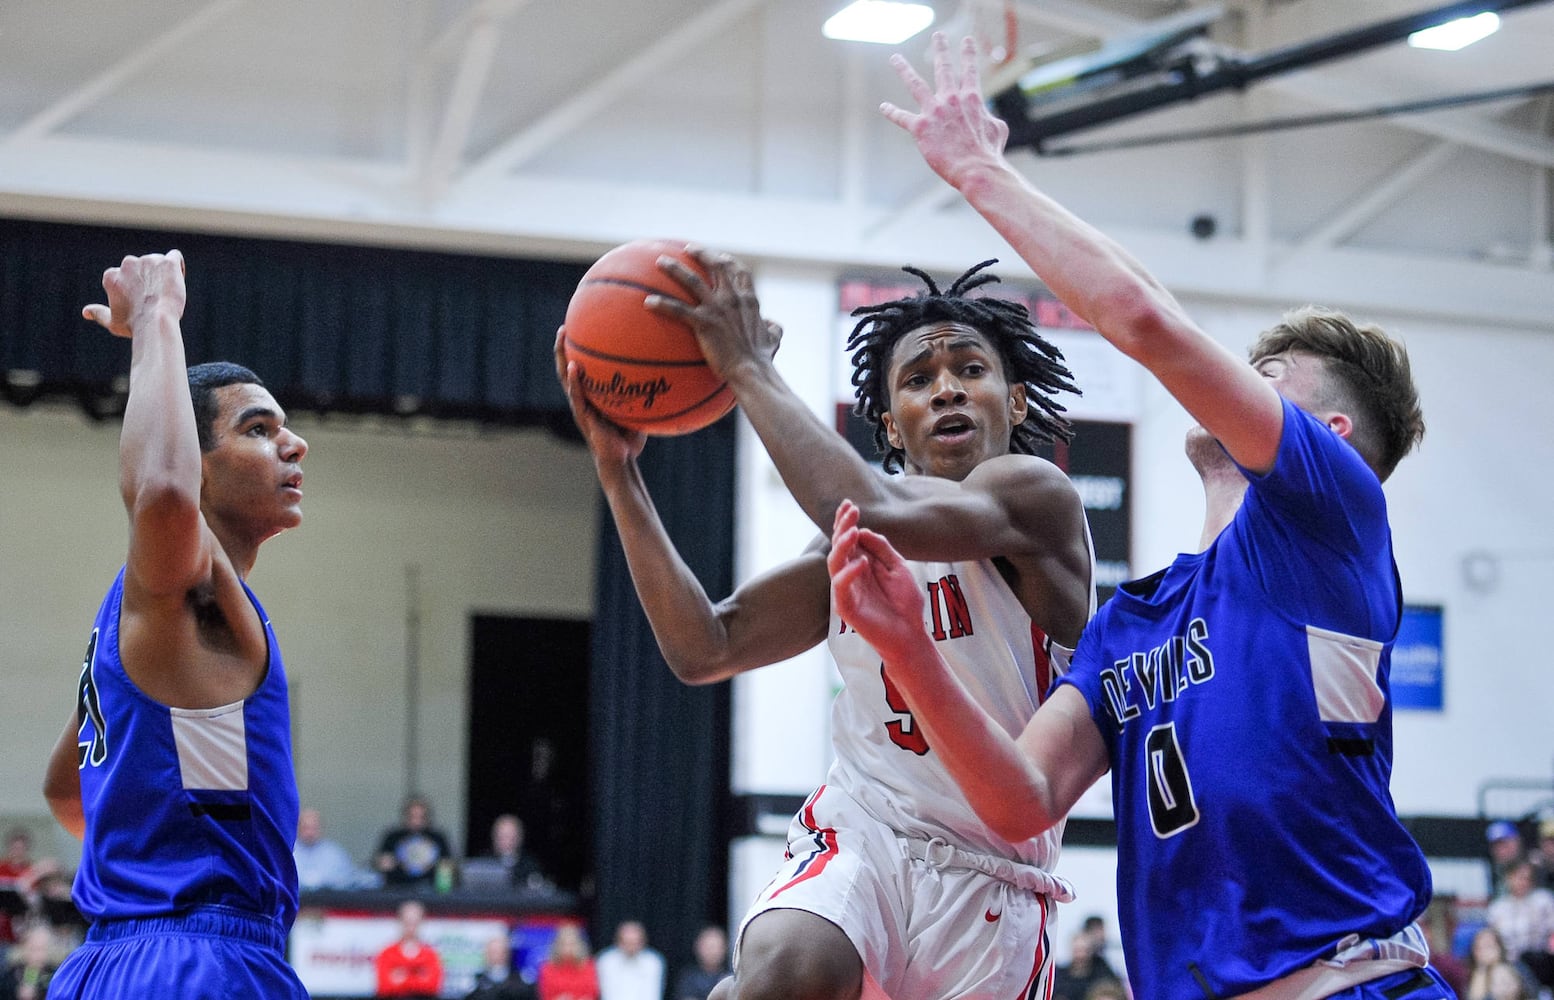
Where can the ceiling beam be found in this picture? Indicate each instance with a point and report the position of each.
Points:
(362, 202)
(111, 78)
(575, 112)
(1376, 198)
(445, 152)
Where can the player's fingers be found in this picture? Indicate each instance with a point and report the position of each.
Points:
(183, 268)
(898, 116)
(668, 305)
(97, 314)
(969, 76)
(915, 85)
(943, 67)
(877, 547)
(686, 276)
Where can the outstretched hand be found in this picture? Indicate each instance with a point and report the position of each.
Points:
(608, 441)
(873, 590)
(136, 289)
(724, 312)
(953, 128)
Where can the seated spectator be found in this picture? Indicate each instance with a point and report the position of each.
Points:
(1085, 969)
(1543, 855)
(321, 862)
(519, 868)
(1439, 924)
(569, 973)
(497, 979)
(16, 875)
(696, 981)
(32, 964)
(629, 969)
(1505, 846)
(409, 967)
(410, 853)
(1486, 952)
(1523, 915)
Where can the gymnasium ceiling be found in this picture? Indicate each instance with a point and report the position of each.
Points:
(559, 127)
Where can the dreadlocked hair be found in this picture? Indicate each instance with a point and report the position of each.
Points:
(1027, 357)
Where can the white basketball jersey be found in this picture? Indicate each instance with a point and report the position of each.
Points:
(882, 758)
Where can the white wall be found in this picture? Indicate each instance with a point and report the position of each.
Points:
(501, 523)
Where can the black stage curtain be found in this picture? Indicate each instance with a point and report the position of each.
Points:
(359, 329)
(661, 748)
(328, 328)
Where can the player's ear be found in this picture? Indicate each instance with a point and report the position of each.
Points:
(1019, 406)
(1340, 424)
(892, 434)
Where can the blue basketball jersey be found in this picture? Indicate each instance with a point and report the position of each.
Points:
(184, 807)
(1244, 699)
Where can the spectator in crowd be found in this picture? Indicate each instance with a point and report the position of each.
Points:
(32, 964)
(497, 979)
(569, 973)
(629, 969)
(1085, 969)
(410, 853)
(1523, 914)
(696, 980)
(1488, 965)
(410, 967)
(322, 863)
(1505, 983)
(1543, 854)
(1505, 846)
(1108, 989)
(521, 867)
(16, 873)
(1440, 926)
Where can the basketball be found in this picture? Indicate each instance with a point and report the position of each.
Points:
(643, 371)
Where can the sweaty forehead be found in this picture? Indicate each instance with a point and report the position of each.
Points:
(942, 335)
(243, 401)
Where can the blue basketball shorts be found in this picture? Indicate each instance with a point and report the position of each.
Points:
(1415, 984)
(200, 954)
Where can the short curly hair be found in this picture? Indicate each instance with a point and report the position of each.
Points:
(1371, 379)
(1027, 357)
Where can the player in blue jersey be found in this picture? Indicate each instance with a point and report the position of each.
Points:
(175, 768)
(1240, 696)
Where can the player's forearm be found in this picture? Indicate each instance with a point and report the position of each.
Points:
(817, 465)
(1090, 272)
(159, 450)
(1002, 786)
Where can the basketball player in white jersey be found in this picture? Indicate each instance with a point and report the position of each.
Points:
(888, 871)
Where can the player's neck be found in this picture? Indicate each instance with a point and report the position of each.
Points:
(1222, 496)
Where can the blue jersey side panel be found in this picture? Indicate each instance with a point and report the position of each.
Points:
(183, 808)
(1251, 755)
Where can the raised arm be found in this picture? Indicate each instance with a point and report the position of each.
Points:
(1010, 506)
(1018, 786)
(766, 620)
(1094, 276)
(159, 449)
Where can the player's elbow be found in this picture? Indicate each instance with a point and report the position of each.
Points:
(1017, 825)
(1141, 321)
(65, 805)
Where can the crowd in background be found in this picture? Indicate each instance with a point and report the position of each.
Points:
(1500, 950)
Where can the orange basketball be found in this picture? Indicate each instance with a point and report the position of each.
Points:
(641, 370)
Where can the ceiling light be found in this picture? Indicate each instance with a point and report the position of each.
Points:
(1453, 35)
(882, 21)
